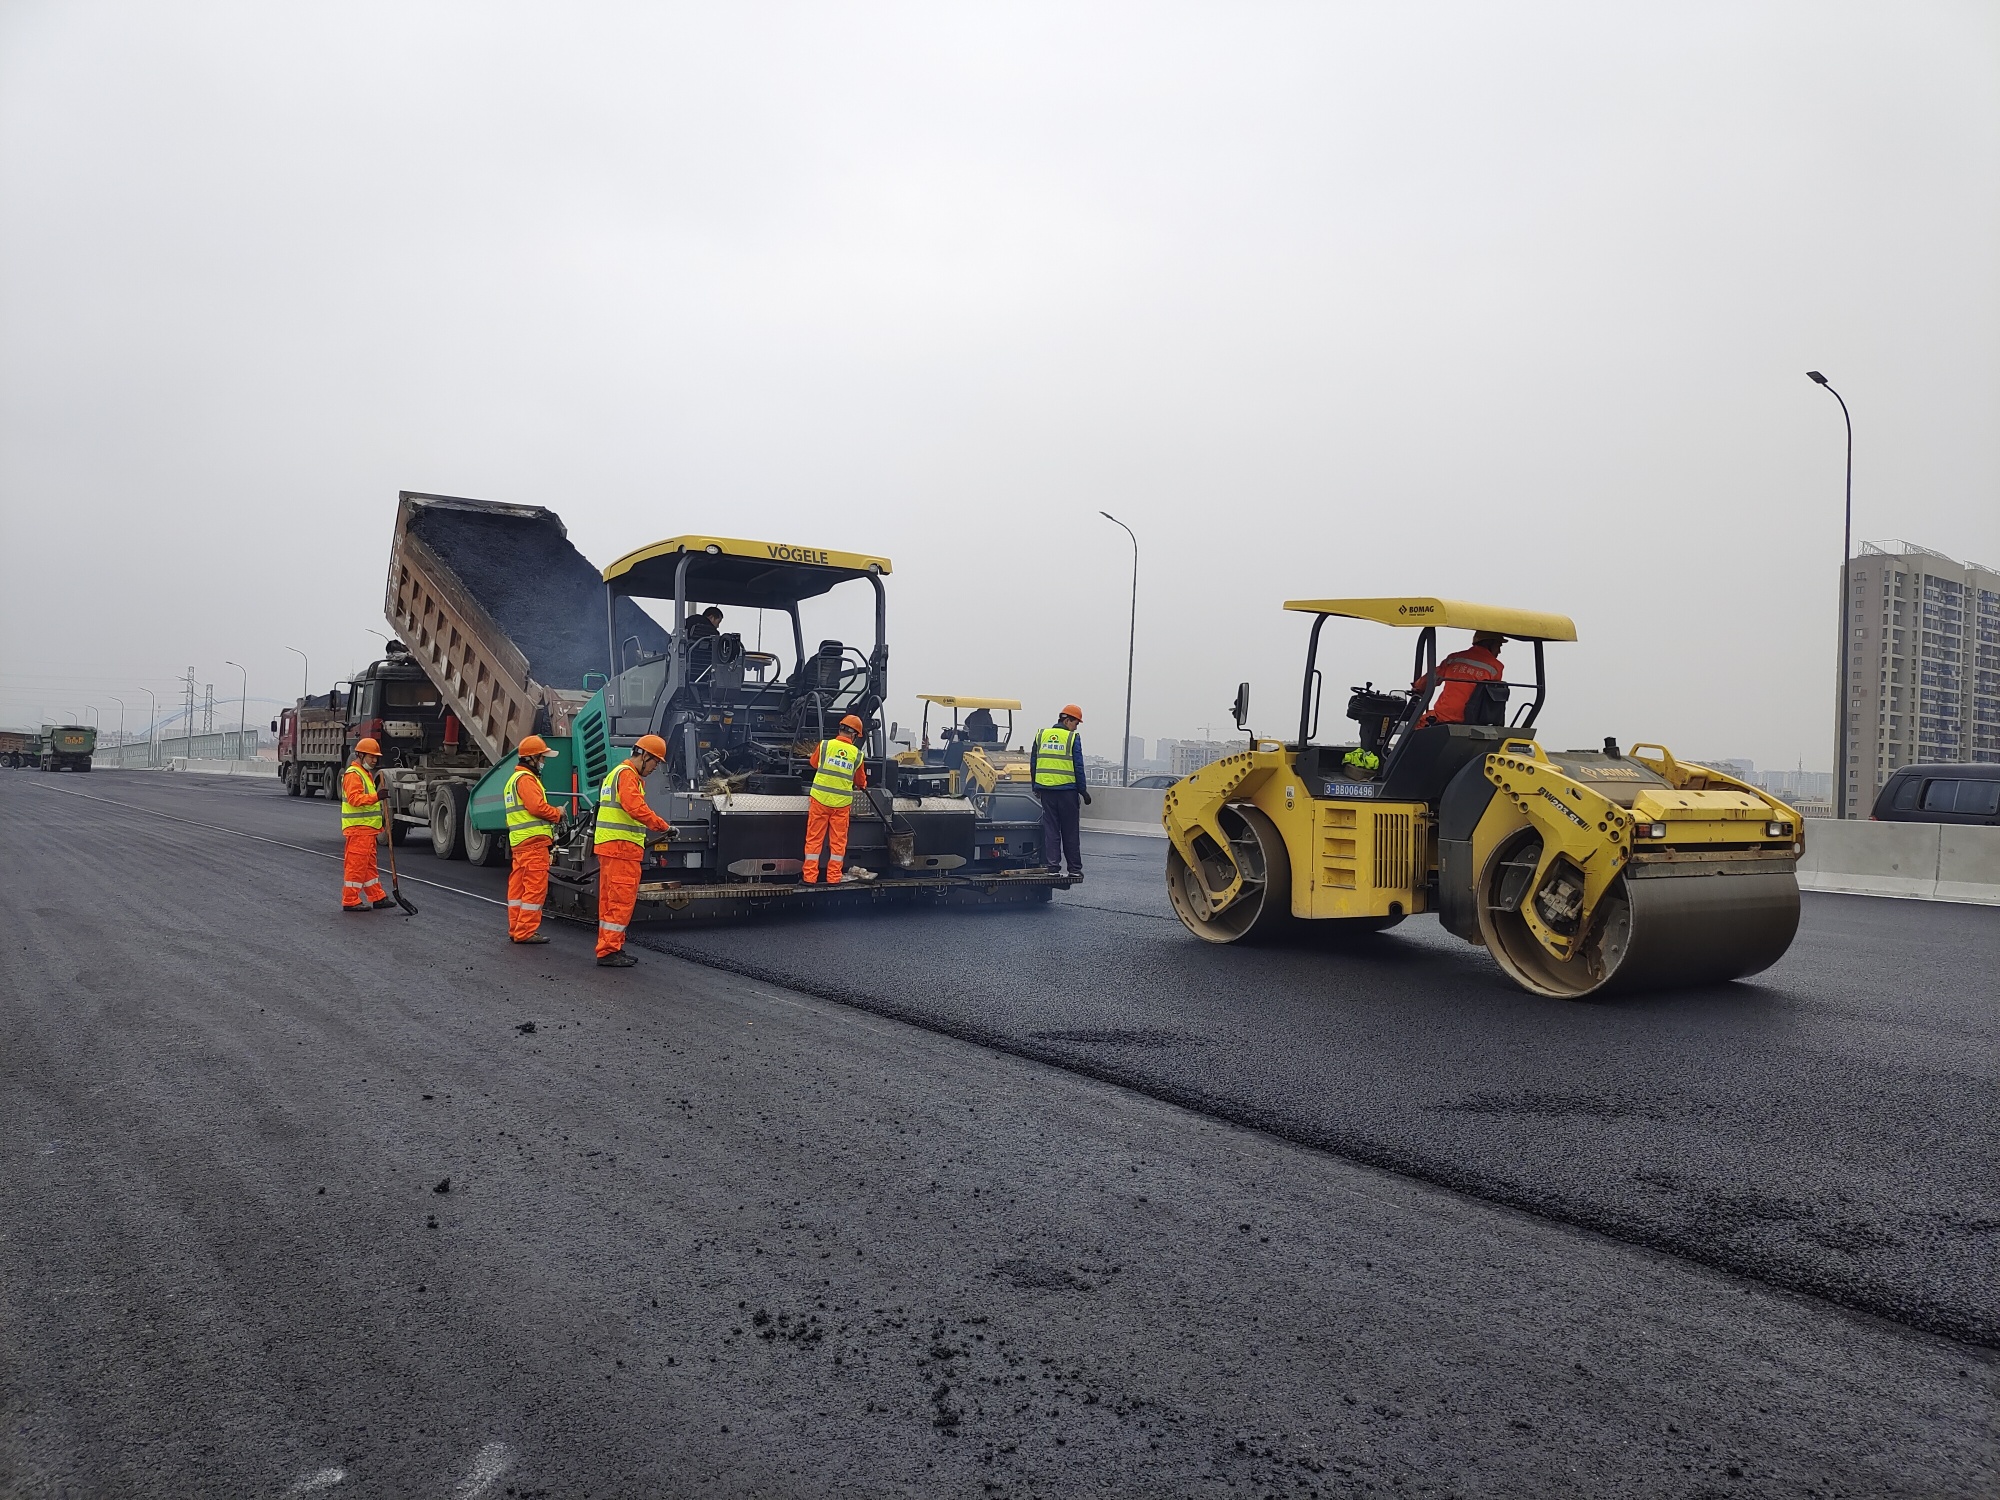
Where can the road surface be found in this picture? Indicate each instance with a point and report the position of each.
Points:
(1046, 1202)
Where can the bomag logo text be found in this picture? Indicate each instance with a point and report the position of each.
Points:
(1416, 609)
(796, 554)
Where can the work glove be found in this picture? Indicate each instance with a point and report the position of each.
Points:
(1086, 799)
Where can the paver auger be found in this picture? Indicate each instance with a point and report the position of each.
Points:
(1579, 870)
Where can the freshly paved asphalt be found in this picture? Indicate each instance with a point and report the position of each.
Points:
(978, 1273)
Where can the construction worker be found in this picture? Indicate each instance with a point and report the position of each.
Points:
(706, 625)
(622, 820)
(1060, 784)
(1459, 674)
(362, 826)
(531, 832)
(837, 771)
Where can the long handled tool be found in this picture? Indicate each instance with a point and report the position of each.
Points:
(395, 890)
(902, 846)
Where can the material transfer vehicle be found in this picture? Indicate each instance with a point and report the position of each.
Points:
(1579, 870)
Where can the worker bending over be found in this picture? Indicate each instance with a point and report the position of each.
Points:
(1059, 783)
(622, 820)
(361, 826)
(837, 771)
(531, 833)
(1460, 674)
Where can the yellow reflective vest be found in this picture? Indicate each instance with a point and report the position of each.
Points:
(833, 785)
(614, 824)
(523, 825)
(1055, 758)
(351, 816)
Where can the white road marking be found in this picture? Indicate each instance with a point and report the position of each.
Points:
(323, 1479)
(487, 1467)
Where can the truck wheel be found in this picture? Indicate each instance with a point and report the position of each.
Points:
(399, 831)
(483, 848)
(292, 782)
(448, 821)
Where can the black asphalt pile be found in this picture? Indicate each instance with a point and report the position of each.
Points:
(538, 588)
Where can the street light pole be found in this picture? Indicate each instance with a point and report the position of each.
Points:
(305, 683)
(152, 725)
(1131, 648)
(121, 728)
(1846, 606)
(242, 704)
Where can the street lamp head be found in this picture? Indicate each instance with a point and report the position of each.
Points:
(1816, 377)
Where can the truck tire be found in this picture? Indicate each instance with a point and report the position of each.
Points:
(448, 820)
(483, 848)
(399, 831)
(291, 781)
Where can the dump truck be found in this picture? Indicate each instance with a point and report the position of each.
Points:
(1580, 871)
(312, 745)
(20, 747)
(65, 747)
(520, 634)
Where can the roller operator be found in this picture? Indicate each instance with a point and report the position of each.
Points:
(1458, 676)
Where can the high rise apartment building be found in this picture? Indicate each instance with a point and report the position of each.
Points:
(1923, 665)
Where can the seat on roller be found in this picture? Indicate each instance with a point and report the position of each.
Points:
(1426, 759)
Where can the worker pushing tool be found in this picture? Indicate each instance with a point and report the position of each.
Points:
(361, 827)
(622, 820)
(531, 829)
(1059, 782)
(837, 771)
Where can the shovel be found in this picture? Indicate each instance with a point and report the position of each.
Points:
(395, 890)
(902, 846)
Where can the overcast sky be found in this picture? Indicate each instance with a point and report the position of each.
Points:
(1511, 303)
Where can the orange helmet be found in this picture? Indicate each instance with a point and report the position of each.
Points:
(853, 723)
(367, 747)
(1071, 711)
(653, 745)
(534, 744)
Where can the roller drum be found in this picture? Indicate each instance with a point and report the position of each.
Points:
(1656, 927)
(1264, 905)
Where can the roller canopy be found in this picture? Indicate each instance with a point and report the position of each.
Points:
(959, 700)
(1453, 614)
(731, 571)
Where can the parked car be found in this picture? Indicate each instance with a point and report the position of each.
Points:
(1153, 781)
(1941, 794)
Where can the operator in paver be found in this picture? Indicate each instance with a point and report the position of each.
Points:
(1059, 782)
(361, 827)
(531, 832)
(837, 771)
(622, 820)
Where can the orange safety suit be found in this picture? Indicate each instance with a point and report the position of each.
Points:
(361, 876)
(826, 827)
(528, 875)
(1460, 672)
(619, 859)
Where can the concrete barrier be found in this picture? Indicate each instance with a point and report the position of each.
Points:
(1969, 865)
(1920, 861)
(223, 767)
(1125, 809)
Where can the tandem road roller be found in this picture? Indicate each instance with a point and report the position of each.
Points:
(1581, 871)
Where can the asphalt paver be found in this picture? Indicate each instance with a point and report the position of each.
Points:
(704, 1234)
